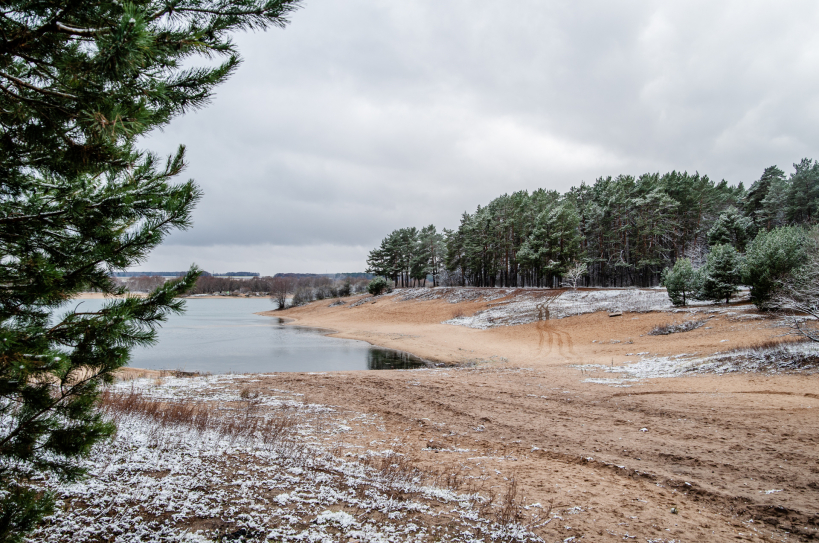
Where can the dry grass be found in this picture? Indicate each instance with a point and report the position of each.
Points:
(399, 470)
(273, 429)
(779, 354)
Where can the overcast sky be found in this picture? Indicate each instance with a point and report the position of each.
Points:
(363, 116)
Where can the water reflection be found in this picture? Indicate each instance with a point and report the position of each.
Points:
(221, 336)
(386, 359)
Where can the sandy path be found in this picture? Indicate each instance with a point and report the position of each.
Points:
(721, 450)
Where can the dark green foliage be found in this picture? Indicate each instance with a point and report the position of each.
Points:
(378, 286)
(719, 278)
(79, 83)
(409, 256)
(802, 199)
(798, 292)
(627, 229)
(680, 281)
(731, 228)
(762, 194)
(429, 257)
(770, 257)
(21, 510)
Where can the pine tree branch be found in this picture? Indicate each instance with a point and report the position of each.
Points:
(80, 31)
(71, 392)
(21, 83)
(30, 100)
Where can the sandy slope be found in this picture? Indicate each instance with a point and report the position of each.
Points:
(416, 326)
(721, 450)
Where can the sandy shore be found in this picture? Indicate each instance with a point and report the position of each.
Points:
(699, 458)
(416, 327)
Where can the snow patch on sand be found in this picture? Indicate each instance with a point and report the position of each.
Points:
(787, 357)
(532, 306)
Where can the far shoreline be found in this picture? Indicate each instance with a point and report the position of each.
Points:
(101, 296)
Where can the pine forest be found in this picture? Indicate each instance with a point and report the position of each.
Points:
(626, 230)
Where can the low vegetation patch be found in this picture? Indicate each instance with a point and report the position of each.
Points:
(771, 356)
(674, 328)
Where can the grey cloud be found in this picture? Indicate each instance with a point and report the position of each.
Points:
(364, 116)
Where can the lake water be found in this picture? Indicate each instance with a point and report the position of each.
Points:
(221, 336)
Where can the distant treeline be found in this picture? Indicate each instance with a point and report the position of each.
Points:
(180, 274)
(354, 275)
(311, 286)
(625, 229)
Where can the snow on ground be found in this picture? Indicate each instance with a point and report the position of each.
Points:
(786, 357)
(522, 306)
(196, 481)
(532, 306)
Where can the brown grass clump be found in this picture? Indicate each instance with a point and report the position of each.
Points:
(775, 344)
(202, 417)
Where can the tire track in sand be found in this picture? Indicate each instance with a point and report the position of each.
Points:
(550, 336)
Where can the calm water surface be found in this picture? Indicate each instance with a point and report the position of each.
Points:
(221, 336)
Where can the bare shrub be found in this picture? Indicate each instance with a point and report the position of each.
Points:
(672, 328)
(510, 509)
(279, 289)
(395, 469)
(183, 373)
(248, 394)
(574, 274)
(302, 296)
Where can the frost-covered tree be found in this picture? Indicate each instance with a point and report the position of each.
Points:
(799, 292)
(80, 82)
(770, 257)
(575, 273)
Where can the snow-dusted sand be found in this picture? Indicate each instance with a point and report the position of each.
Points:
(165, 480)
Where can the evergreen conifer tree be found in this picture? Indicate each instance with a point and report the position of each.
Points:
(721, 274)
(680, 281)
(80, 81)
(732, 228)
(770, 257)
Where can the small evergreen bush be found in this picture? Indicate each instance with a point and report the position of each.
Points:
(378, 286)
(680, 281)
(721, 275)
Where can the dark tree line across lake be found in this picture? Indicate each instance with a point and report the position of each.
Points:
(626, 229)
